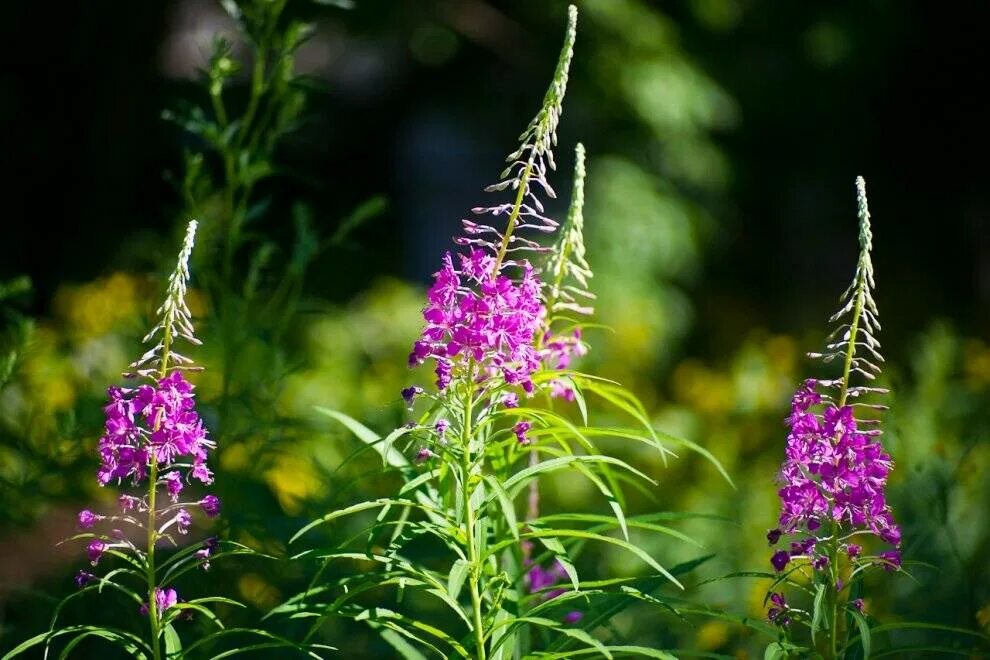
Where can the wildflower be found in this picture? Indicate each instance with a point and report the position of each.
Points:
(128, 503)
(164, 599)
(773, 536)
(409, 394)
(441, 427)
(510, 400)
(182, 521)
(853, 550)
(153, 422)
(833, 472)
(95, 551)
(778, 612)
(780, 560)
(83, 578)
(173, 482)
(423, 455)
(210, 547)
(573, 617)
(87, 519)
(891, 559)
(477, 316)
(210, 505)
(520, 429)
(858, 604)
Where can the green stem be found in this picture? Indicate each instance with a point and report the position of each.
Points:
(516, 208)
(153, 614)
(474, 573)
(152, 528)
(853, 331)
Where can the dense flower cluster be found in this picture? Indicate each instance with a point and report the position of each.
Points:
(152, 425)
(833, 478)
(475, 315)
(157, 423)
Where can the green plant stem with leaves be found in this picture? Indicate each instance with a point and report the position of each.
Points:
(476, 568)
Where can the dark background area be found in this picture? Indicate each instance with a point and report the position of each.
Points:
(897, 98)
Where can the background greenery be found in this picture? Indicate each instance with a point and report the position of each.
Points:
(723, 139)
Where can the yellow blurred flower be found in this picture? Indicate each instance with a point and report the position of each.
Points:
(293, 480)
(97, 307)
(254, 589)
(712, 635)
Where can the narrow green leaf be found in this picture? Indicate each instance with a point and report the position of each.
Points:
(864, 632)
(458, 573)
(173, 645)
(505, 502)
(818, 612)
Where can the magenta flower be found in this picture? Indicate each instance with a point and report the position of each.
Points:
(210, 548)
(409, 394)
(153, 423)
(182, 521)
(83, 578)
(87, 519)
(477, 318)
(173, 482)
(210, 505)
(164, 599)
(95, 551)
(780, 560)
(833, 473)
(778, 612)
(520, 429)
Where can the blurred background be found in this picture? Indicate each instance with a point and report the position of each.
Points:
(723, 137)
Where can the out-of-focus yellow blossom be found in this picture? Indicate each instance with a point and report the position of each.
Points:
(293, 480)
(96, 307)
(712, 635)
(256, 590)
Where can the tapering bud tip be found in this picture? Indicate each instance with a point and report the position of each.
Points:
(865, 231)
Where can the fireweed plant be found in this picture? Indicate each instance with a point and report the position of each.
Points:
(835, 526)
(503, 322)
(155, 447)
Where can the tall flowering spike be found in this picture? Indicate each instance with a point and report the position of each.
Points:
(154, 435)
(835, 471)
(854, 339)
(567, 269)
(529, 164)
(174, 319)
(482, 322)
(567, 272)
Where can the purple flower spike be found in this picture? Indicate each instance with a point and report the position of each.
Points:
(210, 505)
